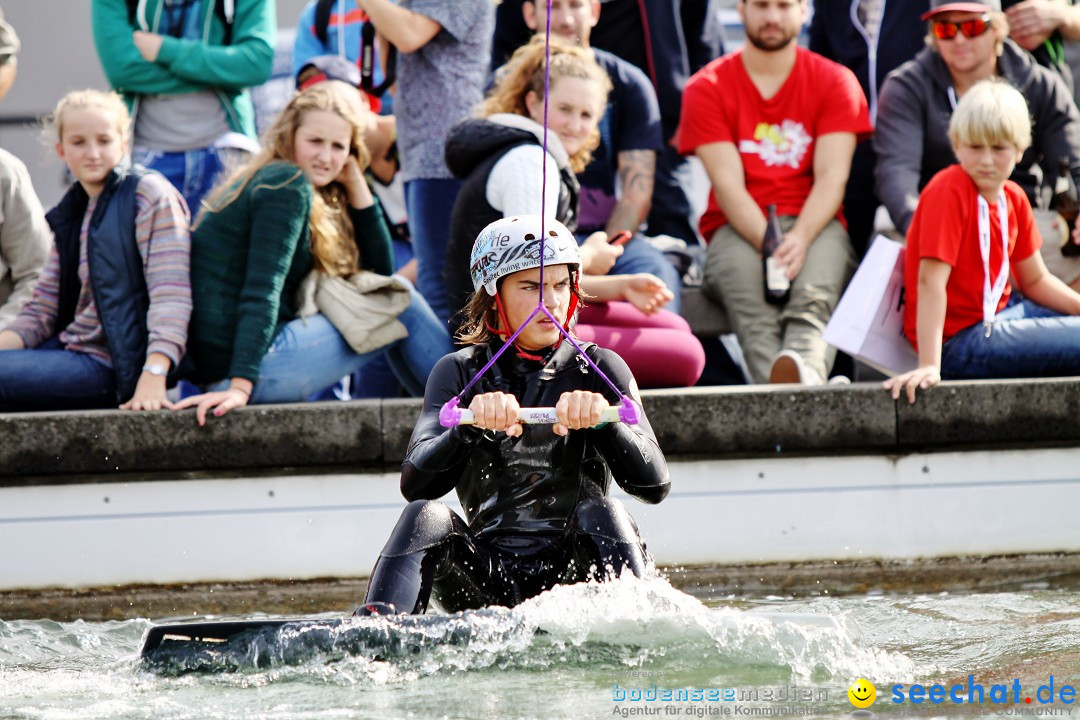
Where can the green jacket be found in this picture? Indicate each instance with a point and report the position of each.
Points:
(248, 259)
(187, 66)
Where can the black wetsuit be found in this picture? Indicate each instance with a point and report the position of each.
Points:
(537, 506)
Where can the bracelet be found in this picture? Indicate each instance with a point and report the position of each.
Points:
(246, 392)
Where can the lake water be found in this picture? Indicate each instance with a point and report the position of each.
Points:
(586, 651)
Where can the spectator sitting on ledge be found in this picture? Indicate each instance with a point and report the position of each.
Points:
(972, 229)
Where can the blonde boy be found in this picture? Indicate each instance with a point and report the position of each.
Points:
(974, 226)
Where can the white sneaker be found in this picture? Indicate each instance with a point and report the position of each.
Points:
(789, 367)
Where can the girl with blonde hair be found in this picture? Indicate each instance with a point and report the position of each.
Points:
(301, 204)
(108, 319)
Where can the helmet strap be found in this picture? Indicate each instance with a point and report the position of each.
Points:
(573, 306)
(521, 352)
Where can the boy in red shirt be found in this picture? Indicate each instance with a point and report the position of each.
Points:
(973, 226)
(775, 124)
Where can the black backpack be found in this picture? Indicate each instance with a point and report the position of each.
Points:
(323, 10)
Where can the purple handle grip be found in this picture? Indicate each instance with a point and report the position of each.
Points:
(450, 413)
(629, 412)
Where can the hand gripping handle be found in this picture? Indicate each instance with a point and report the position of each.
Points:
(627, 412)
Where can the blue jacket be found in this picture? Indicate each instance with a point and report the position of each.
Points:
(343, 38)
(116, 271)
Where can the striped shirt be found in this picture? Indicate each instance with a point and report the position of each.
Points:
(161, 233)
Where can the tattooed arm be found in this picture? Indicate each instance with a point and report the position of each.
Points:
(637, 169)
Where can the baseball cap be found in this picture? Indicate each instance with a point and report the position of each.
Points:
(942, 6)
(327, 67)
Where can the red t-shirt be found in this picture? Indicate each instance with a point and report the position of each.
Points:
(775, 137)
(946, 228)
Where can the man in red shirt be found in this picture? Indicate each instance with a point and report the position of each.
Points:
(775, 124)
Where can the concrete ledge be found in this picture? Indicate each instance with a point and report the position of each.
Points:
(762, 421)
(399, 418)
(987, 412)
(110, 441)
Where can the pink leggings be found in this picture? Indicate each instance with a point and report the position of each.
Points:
(660, 349)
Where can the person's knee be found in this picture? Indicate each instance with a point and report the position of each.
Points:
(663, 268)
(813, 305)
(641, 257)
(732, 266)
(423, 525)
(607, 541)
(606, 518)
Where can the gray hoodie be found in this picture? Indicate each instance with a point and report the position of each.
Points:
(25, 237)
(912, 134)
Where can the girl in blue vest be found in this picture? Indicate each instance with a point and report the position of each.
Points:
(108, 319)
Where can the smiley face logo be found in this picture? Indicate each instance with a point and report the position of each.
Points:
(862, 693)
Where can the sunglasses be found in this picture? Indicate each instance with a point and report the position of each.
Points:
(945, 30)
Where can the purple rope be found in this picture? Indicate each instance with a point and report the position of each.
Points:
(449, 415)
(543, 166)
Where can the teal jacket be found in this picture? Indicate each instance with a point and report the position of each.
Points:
(187, 66)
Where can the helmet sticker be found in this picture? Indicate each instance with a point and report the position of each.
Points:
(513, 244)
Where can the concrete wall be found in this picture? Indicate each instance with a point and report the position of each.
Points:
(47, 448)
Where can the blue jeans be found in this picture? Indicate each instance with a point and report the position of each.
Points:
(49, 377)
(428, 204)
(309, 354)
(641, 257)
(1028, 340)
(193, 173)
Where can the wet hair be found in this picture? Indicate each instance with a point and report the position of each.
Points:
(332, 239)
(108, 102)
(524, 73)
(992, 112)
(480, 313)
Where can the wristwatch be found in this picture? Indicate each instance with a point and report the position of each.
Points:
(159, 370)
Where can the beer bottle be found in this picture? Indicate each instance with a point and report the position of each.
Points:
(1067, 204)
(777, 285)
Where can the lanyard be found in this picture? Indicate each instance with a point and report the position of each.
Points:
(992, 293)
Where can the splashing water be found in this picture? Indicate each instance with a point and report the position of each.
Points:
(557, 655)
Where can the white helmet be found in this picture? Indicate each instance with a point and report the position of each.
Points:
(513, 243)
